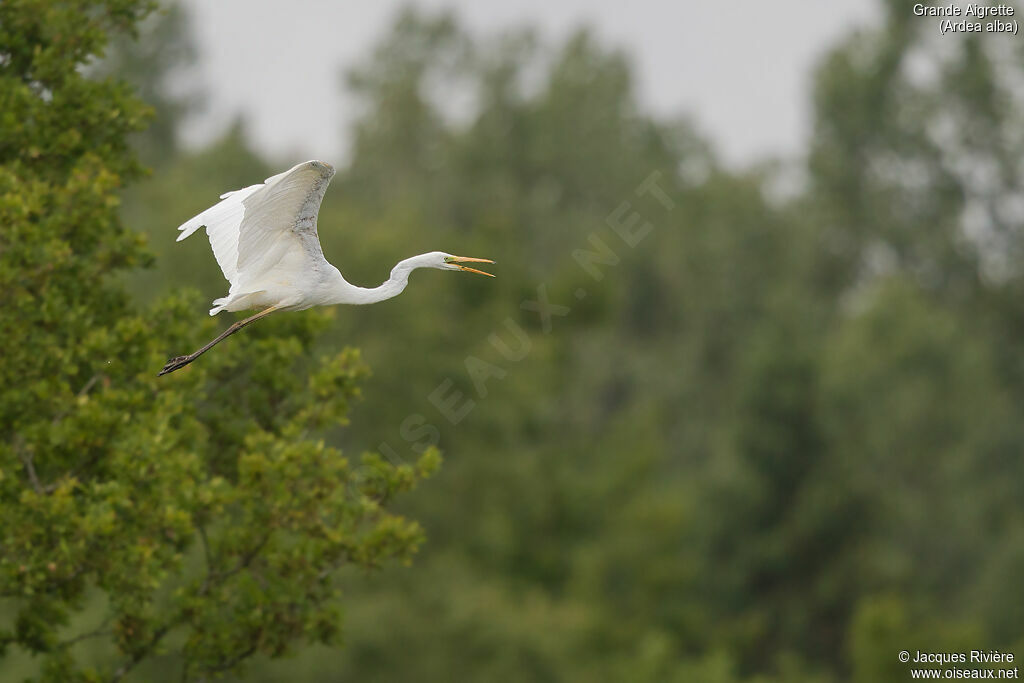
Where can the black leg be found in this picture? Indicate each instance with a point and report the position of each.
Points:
(181, 361)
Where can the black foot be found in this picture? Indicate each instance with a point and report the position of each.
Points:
(174, 364)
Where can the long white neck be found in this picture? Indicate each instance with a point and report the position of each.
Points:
(346, 293)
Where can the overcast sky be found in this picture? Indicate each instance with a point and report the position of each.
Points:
(279, 62)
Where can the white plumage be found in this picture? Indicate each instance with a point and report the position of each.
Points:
(265, 240)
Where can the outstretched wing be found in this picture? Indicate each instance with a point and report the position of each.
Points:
(251, 229)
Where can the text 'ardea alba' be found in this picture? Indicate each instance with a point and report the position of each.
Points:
(264, 238)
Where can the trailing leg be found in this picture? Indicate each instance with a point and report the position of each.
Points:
(181, 361)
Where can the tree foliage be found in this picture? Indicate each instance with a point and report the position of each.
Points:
(774, 440)
(202, 516)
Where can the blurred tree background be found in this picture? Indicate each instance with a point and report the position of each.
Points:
(707, 424)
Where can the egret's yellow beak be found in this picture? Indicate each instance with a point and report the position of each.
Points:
(456, 260)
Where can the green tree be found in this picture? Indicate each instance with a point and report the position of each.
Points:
(160, 64)
(200, 517)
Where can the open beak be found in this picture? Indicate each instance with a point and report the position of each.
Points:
(458, 260)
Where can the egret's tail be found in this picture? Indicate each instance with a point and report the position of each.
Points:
(220, 304)
(237, 301)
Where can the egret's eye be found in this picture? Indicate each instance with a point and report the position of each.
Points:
(447, 259)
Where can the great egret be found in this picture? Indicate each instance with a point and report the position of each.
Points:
(264, 238)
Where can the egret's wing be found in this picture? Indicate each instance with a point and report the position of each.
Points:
(222, 222)
(252, 228)
(282, 217)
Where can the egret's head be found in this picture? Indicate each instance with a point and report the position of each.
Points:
(450, 262)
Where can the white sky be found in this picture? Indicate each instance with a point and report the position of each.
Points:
(742, 69)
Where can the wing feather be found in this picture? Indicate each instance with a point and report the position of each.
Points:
(222, 222)
(282, 217)
(251, 229)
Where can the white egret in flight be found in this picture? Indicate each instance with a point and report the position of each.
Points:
(264, 238)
